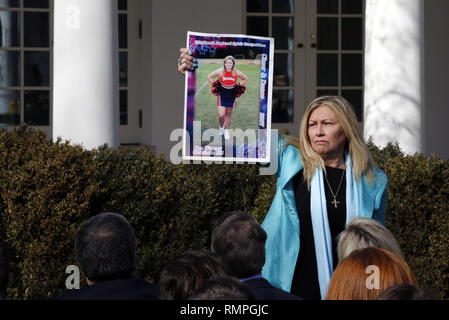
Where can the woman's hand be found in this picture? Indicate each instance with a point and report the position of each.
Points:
(186, 62)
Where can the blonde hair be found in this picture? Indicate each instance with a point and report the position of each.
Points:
(349, 281)
(362, 233)
(223, 69)
(362, 161)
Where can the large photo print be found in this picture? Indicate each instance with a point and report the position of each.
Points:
(227, 114)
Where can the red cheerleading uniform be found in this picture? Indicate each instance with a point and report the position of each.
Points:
(227, 96)
(228, 80)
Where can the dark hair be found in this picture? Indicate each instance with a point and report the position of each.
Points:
(187, 272)
(4, 269)
(405, 291)
(239, 241)
(224, 216)
(223, 288)
(106, 247)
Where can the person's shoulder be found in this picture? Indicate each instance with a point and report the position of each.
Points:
(74, 294)
(118, 289)
(264, 290)
(144, 283)
(285, 145)
(147, 289)
(280, 294)
(287, 151)
(380, 178)
(381, 174)
(377, 186)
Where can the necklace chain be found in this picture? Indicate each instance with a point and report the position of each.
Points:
(335, 202)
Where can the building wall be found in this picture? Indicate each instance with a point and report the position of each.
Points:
(167, 31)
(165, 25)
(436, 73)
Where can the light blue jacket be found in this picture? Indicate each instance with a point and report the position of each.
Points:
(282, 222)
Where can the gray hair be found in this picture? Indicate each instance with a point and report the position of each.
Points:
(361, 233)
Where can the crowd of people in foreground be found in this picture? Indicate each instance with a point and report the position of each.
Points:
(370, 265)
(322, 238)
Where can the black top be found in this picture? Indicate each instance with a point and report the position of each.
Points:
(305, 279)
(263, 290)
(119, 289)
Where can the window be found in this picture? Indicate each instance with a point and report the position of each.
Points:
(25, 62)
(123, 59)
(319, 50)
(340, 50)
(275, 18)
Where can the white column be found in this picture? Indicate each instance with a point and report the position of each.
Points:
(85, 90)
(393, 73)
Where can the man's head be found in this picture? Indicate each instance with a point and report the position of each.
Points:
(187, 272)
(106, 248)
(239, 241)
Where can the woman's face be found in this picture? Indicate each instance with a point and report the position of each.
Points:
(229, 64)
(326, 134)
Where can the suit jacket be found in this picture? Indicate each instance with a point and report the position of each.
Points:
(119, 289)
(282, 222)
(263, 290)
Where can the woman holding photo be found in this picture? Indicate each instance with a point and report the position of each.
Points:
(228, 76)
(325, 178)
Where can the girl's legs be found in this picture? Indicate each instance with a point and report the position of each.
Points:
(227, 117)
(227, 123)
(221, 116)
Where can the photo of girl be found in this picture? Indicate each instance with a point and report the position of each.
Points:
(227, 99)
(227, 89)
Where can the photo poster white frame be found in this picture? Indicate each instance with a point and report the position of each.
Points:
(250, 145)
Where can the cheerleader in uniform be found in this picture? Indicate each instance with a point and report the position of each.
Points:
(227, 89)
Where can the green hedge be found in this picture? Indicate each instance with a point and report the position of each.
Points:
(418, 213)
(48, 189)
